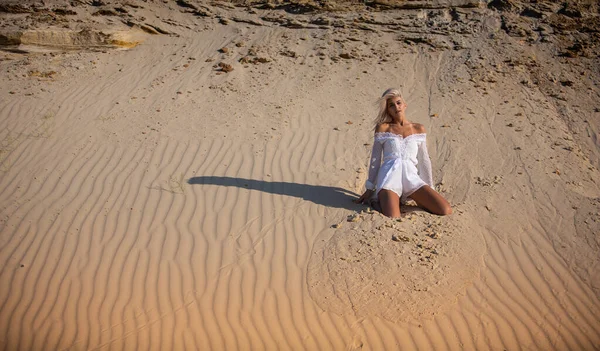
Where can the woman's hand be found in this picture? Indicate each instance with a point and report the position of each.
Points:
(364, 197)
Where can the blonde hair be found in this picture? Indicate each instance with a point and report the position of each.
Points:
(383, 116)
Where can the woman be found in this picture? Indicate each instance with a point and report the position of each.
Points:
(406, 168)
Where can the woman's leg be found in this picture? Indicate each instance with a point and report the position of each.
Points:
(389, 202)
(431, 200)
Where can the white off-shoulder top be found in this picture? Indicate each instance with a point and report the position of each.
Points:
(400, 164)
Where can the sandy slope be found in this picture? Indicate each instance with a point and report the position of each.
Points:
(150, 200)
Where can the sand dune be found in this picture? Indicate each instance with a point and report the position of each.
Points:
(151, 200)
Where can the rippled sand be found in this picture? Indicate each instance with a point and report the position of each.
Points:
(151, 200)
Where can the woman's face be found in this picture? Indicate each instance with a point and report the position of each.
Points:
(395, 106)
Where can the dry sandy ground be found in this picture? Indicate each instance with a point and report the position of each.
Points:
(151, 198)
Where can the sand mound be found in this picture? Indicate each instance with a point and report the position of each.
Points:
(401, 270)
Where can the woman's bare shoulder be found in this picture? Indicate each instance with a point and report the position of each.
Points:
(418, 128)
(382, 128)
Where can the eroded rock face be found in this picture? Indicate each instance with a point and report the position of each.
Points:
(71, 40)
(438, 24)
(63, 25)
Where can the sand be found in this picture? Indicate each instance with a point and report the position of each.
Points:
(179, 175)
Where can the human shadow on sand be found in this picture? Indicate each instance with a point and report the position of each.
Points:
(319, 194)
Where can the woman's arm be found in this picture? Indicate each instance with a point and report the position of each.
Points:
(374, 165)
(424, 164)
